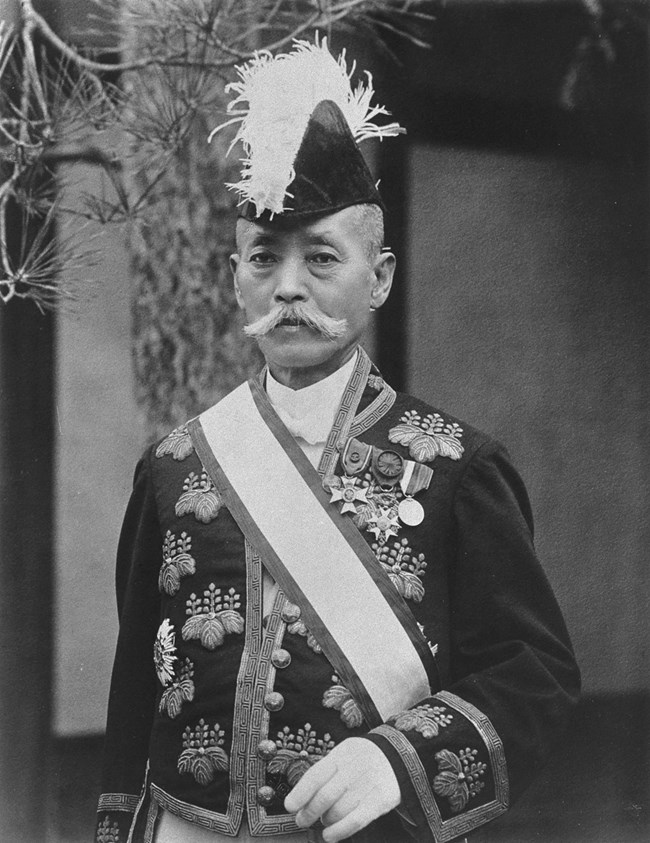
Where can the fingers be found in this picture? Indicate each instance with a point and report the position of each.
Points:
(354, 821)
(339, 809)
(322, 803)
(348, 789)
(314, 779)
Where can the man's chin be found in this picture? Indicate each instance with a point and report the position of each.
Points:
(297, 346)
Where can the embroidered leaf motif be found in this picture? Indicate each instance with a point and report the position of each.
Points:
(212, 633)
(458, 777)
(298, 752)
(192, 627)
(203, 766)
(340, 699)
(297, 770)
(177, 562)
(363, 516)
(335, 696)
(280, 762)
(405, 569)
(107, 832)
(425, 719)
(408, 585)
(200, 497)
(449, 446)
(423, 448)
(403, 434)
(202, 755)
(446, 784)
(178, 444)
(171, 701)
(428, 438)
(232, 621)
(212, 617)
(181, 690)
(351, 714)
(298, 628)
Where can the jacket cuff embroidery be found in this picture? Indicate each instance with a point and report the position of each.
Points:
(458, 774)
(118, 802)
(115, 812)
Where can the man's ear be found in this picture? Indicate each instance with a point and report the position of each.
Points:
(383, 270)
(234, 263)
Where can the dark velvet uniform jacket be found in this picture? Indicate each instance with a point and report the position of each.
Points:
(216, 711)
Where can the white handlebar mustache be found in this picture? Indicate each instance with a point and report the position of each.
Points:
(297, 313)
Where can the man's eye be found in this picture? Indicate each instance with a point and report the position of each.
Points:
(323, 258)
(262, 258)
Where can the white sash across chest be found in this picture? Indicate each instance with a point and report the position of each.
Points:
(317, 555)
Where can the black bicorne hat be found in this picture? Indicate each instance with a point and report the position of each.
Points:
(300, 126)
(331, 173)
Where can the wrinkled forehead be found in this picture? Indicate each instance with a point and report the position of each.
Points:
(342, 224)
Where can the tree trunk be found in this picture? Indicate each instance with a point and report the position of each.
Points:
(188, 346)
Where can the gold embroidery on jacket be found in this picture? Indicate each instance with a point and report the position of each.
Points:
(212, 617)
(428, 437)
(298, 628)
(181, 690)
(202, 755)
(107, 832)
(177, 562)
(405, 569)
(425, 719)
(459, 776)
(199, 497)
(164, 652)
(340, 699)
(297, 753)
(178, 444)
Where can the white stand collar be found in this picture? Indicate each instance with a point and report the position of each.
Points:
(309, 413)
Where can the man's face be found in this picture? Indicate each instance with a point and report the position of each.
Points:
(324, 264)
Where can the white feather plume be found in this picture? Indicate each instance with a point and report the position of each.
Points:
(275, 99)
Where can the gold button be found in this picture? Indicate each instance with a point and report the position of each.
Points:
(265, 795)
(273, 701)
(280, 658)
(267, 750)
(290, 613)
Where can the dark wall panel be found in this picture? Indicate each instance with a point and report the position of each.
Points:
(528, 315)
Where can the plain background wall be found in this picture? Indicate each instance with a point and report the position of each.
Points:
(528, 317)
(99, 437)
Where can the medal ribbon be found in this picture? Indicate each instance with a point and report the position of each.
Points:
(317, 555)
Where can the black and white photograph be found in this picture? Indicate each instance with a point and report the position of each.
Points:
(324, 421)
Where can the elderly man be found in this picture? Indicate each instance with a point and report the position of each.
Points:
(351, 634)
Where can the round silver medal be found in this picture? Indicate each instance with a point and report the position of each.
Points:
(410, 512)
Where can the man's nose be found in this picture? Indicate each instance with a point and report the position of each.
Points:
(291, 284)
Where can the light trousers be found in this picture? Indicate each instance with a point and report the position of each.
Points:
(172, 829)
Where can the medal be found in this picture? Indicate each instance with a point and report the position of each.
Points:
(349, 493)
(410, 512)
(356, 457)
(382, 524)
(387, 467)
(416, 477)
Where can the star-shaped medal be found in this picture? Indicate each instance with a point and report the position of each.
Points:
(383, 524)
(348, 492)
